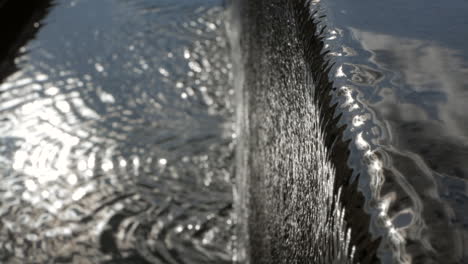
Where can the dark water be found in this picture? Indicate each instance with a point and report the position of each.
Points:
(357, 105)
(116, 133)
(407, 70)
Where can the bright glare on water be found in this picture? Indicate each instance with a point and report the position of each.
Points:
(116, 136)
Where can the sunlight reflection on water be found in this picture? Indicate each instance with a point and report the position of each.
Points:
(116, 136)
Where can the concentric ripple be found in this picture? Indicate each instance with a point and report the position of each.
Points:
(116, 137)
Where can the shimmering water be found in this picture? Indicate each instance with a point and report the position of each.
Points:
(116, 142)
(402, 76)
(117, 131)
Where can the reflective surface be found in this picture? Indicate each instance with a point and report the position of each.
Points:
(401, 68)
(389, 80)
(116, 136)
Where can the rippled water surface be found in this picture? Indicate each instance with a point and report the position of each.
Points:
(116, 136)
(401, 70)
(389, 89)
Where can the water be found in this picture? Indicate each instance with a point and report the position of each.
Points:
(406, 68)
(117, 134)
(370, 96)
(125, 123)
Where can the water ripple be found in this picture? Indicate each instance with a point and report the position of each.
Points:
(116, 137)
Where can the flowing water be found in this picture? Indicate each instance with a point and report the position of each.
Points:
(119, 140)
(355, 108)
(403, 73)
(116, 141)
